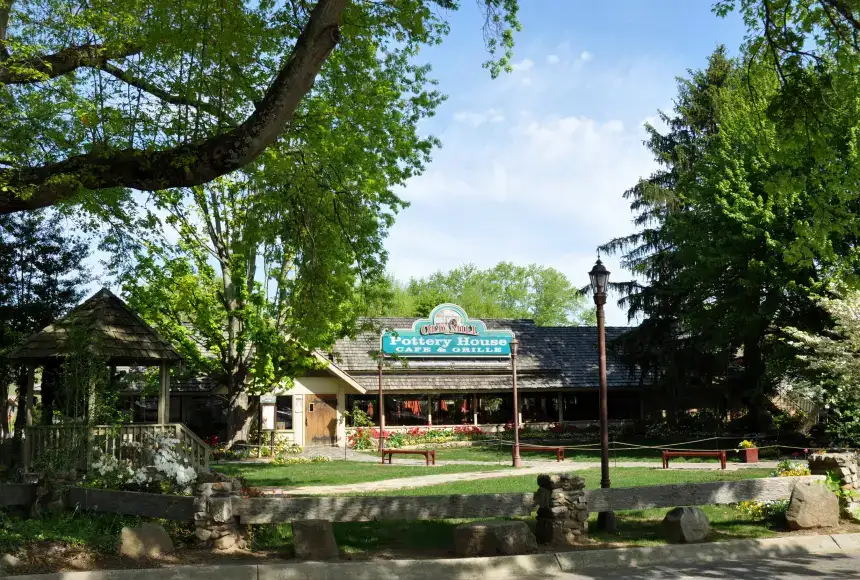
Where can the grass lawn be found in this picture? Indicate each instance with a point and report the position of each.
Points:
(621, 477)
(337, 472)
(491, 452)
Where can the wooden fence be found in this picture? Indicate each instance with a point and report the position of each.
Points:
(150, 505)
(75, 444)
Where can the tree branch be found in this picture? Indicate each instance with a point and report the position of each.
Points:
(192, 163)
(156, 91)
(39, 68)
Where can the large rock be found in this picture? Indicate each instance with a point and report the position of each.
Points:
(493, 538)
(147, 540)
(684, 525)
(314, 540)
(9, 561)
(812, 505)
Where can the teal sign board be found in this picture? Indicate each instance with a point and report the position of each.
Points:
(447, 333)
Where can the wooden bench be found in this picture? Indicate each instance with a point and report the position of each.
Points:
(559, 451)
(429, 454)
(667, 454)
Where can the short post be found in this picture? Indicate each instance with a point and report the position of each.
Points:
(381, 412)
(517, 461)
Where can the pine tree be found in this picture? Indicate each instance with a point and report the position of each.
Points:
(41, 277)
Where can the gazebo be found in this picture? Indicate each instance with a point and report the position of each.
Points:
(119, 334)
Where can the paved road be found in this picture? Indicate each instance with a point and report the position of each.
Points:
(818, 567)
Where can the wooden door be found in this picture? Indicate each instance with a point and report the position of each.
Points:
(320, 420)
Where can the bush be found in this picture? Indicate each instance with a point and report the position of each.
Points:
(788, 468)
(166, 472)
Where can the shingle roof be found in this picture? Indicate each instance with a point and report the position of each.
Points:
(550, 357)
(117, 331)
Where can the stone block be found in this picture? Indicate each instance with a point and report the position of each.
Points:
(812, 505)
(314, 540)
(553, 481)
(146, 540)
(684, 525)
(221, 509)
(493, 538)
(557, 533)
(9, 561)
(225, 542)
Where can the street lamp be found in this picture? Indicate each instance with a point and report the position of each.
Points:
(599, 280)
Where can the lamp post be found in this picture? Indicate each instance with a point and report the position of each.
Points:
(381, 412)
(515, 450)
(599, 276)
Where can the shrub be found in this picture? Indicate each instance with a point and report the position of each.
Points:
(788, 468)
(747, 444)
(761, 510)
(166, 470)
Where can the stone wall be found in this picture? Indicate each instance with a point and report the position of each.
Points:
(847, 466)
(215, 524)
(562, 515)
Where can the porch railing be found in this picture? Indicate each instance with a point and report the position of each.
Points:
(74, 446)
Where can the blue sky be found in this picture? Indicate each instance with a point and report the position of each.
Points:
(534, 163)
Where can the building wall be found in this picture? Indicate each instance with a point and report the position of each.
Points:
(304, 386)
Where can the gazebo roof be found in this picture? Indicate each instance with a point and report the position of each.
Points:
(121, 335)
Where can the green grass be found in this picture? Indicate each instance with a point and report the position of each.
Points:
(99, 532)
(436, 538)
(621, 477)
(337, 472)
(491, 452)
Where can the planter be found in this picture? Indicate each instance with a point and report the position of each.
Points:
(749, 455)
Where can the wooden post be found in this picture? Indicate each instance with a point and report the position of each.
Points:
(429, 410)
(28, 402)
(560, 407)
(164, 395)
(30, 396)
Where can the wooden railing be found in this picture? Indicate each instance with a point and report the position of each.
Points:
(73, 447)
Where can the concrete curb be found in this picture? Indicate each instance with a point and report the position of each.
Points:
(499, 567)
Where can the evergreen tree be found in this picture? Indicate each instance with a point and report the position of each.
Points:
(41, 277)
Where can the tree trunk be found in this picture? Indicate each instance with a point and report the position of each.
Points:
(21, 418)
(4, 407)
(240, 416)
(753, 384)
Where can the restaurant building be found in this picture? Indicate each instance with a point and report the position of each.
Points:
(448, 371)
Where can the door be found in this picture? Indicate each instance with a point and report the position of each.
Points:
(320, 420)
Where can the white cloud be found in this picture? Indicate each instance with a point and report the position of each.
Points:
(524, 65)
(586, 56)
(476, 119)
(553, 59)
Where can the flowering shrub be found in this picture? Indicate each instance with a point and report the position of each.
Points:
(747, 444)
(790, 469)
(300, 460)
(760, 510)
(164, 469)
(366, 438)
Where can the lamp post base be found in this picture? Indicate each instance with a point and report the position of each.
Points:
(515, 451)
(606, 522)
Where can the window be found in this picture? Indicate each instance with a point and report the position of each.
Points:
(284, 412)
(495, 408)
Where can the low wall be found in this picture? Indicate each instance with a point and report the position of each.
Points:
(361, 509)
(367, 508)
(692, 494)
(14, 494)
(151, 505)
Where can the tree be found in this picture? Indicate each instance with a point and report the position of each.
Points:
(99, 97)
(41, 275)
(504, 291)
(830, 366)
(716, 249)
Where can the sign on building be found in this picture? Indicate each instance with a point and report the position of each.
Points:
(447, 333)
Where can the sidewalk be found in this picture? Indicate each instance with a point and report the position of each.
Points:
(821, 556)
(530, 468)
